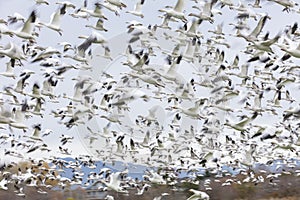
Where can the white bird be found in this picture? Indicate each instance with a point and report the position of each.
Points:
(3, 183)
(67, 3)
(205, 12)
(99, 26)
(13, 51)
(55, 20)
(106, 54)
(110, 7)
(176, 12)
(35, 92)
(46, 53)
(256, 4)
(94, 38)
(97, 12)
(15, 18)
(5, 115)
(198, 195)
(36, 133)
(39, 2)
(144, 188)
(253, 36)
(48, 86)
(19, 116)
(9, 72)
(155, 178)
(241, 125)
(117, 3)
(137, 11)
(287, 4)
(80, 14)
(226, 3)
(115, 183)
(25, 74)
(152, 79)
(292, 51)
(3, 21)
(161, 196)
(27, 31)
(109, 197)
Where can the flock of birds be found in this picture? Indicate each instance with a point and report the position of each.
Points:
(219, 94)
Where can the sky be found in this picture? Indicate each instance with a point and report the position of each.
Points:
(117, 40)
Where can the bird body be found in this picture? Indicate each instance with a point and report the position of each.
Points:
(198, 195)
(115, 183)
(13, 52)
(97, 12)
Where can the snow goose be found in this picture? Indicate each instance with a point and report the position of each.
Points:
(192, 112)
(66, 46)
(9, 72)
(106, 54)
(109, 197)
(154, 177)
(218, 30)
(117, 3)
(55, 19)
(37, 108)
(205, 12)
(171, 73)
(97, 12)
(226, 3)
(11, 50)
(15, 18)
(67, 3)
(5, 115)
(79, 13)
(241, 125)
(198, 195)
(115, 183)
(99, 26)
(27, 30)
(256, 4)
(35, 92)
(144, 188)
(176, 12)
(152, 79)
(253, 36)
(48, 86)
(36, 133)
(292, 51)
(25, 74)
(19, 115)
(45, 53)
(3, 21)
(40, 2)
(94, 38)
(165, 22)
(287, 4)
(265, 45)
(4, 183)
(110, 7)
(192, 31)
(137, 9)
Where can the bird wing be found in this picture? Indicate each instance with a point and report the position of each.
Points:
(261, 23)
(179, 6)
(28, 26)
(55, 17)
